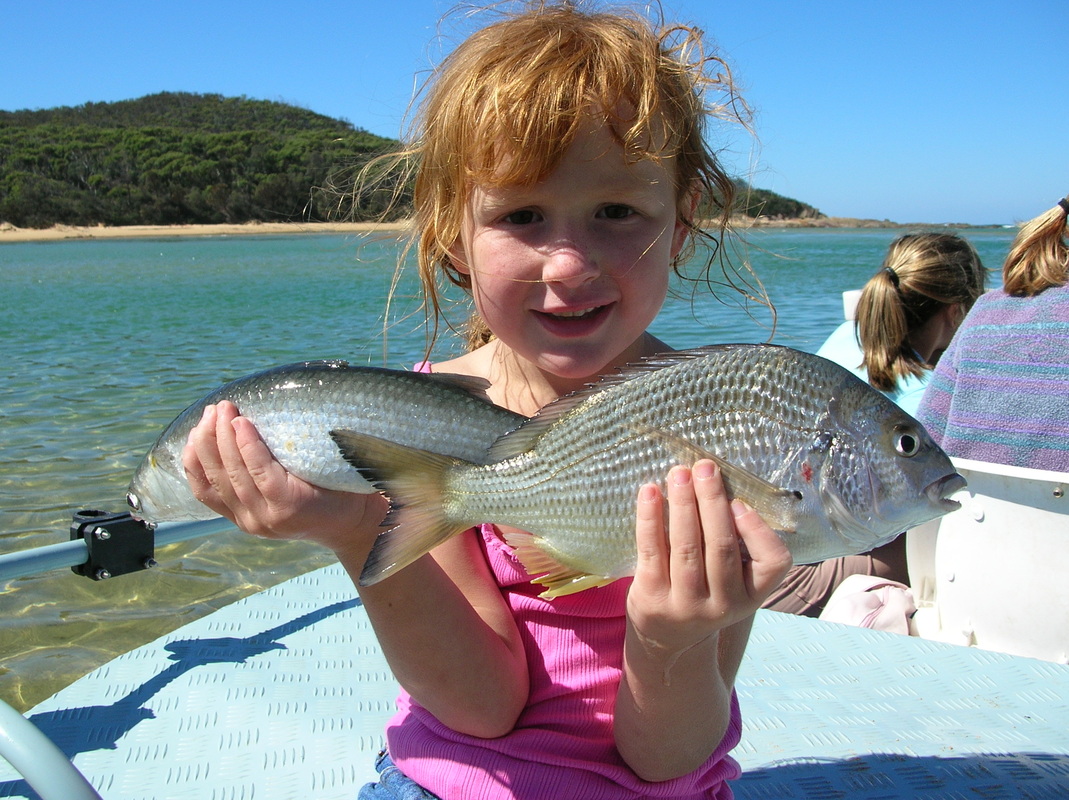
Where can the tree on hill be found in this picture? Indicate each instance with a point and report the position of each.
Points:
(753, 202)
(173, 158)
(180, 158)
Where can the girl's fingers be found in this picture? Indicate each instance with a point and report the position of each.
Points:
(223, 462)
(650, 539)
(717, 519)
(685, 535)
(200, 459)
(714, 550)
(723, 548)
(215, 461)
(767, 553)
(233, 472)
(257, 475)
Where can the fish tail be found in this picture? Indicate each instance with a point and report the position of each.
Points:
(415, 481)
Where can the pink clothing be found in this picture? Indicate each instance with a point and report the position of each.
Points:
(562, 745)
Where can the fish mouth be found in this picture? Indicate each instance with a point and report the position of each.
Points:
(939, 491)
(133, 501)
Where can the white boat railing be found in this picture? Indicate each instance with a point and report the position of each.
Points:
(42, 764)
(36, 757)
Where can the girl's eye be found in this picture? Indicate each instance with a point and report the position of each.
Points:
(522, 217)
(617, 211)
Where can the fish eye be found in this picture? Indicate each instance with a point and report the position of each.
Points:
(133, 501)
(822, 442)
(906, 443)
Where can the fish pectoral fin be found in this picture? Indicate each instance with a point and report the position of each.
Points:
(558, 579)
(776, 505)
(565, 583)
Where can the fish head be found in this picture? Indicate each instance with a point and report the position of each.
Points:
(159, 490)
(881, 472)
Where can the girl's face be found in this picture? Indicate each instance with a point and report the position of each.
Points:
(569, 272)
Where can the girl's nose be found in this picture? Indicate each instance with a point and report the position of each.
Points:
(570, 263)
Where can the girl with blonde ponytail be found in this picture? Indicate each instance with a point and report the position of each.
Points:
(1001, 391)
(908, 313)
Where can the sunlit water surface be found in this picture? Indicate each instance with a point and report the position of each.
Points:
(104, 342)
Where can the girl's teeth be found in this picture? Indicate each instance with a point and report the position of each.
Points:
(570, 314)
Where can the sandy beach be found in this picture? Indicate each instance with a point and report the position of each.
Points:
(10, 233)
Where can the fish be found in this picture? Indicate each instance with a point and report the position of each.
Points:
(295, 406)
(829, 462)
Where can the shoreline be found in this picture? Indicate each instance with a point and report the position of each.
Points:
(10, 233)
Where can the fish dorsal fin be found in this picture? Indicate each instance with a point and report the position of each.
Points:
(476, 387)
(327, 363)
(523, 438)
(671, 358)
(526, 435)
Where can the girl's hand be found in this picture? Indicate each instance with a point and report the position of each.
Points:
(232, 471)
(696, 588)
(712, 568)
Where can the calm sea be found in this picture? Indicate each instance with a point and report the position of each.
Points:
(106, 341)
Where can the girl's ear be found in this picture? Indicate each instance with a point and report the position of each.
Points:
(458, 258)
(688, 207)
(948, 320)
(952, 314)
(960, 312)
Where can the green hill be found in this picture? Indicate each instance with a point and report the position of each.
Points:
(173, 158)
(179, 158)
(753, 202)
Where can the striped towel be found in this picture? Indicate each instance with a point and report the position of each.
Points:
(1000, 393)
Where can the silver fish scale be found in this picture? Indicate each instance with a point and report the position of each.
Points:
(761, 408)
(295, 407)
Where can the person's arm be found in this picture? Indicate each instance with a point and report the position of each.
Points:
(444, 627)
(690, 608)
(451, 639)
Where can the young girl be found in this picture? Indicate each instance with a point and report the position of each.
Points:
(559, 171)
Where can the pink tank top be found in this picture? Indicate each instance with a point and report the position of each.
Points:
(562, 745)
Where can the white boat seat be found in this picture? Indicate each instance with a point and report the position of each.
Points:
(995, 573)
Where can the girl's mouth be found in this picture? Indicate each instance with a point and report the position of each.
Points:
(586, 312)
(572, 323)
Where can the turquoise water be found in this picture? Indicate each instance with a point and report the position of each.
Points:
(104, 342)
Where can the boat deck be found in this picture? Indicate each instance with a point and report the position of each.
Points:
(285, 694)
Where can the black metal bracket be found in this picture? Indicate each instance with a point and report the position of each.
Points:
(117, 544)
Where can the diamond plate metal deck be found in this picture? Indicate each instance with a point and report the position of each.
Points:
(285, 694)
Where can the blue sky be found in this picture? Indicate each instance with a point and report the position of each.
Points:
(911, 111)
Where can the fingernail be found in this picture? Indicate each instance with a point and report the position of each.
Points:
(739, 508)
(680, 476)
(647, 493)
(704, 470)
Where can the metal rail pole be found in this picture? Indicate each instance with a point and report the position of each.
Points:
(36, 560)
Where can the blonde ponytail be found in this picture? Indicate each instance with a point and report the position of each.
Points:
(1038, 258)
